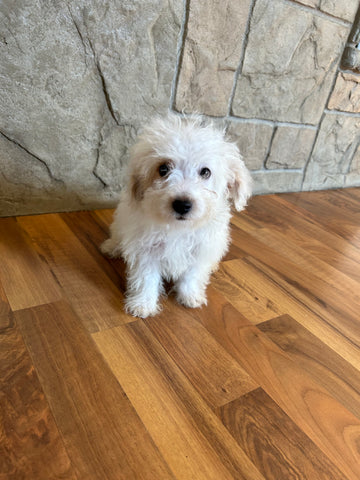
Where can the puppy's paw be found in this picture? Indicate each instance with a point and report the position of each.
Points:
(138, 308)
(192, 300)
(110, 248)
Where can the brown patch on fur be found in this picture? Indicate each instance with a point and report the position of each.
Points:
(137, 191)
(140, 183)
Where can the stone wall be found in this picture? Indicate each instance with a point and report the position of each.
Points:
(79, 78)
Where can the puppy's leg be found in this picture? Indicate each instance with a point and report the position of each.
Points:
(191, 286)
(144, 289)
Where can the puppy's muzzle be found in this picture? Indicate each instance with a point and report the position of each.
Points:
(182, 206)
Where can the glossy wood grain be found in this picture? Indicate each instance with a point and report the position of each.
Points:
(30, 443)
(327, 367)
(103, 434)
(263, 383)
(275, 444)
(189, 436)
(93, 295)
(24, 276)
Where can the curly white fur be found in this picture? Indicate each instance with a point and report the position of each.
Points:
(158, 242)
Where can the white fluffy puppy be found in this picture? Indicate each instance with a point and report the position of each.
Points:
(172, 221)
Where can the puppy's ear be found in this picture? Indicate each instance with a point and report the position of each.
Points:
(240, 182)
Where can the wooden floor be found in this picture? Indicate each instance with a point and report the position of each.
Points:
(263, 383)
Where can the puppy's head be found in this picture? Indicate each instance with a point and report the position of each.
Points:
(183, 172)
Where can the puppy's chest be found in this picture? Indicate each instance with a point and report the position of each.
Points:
(175, 255)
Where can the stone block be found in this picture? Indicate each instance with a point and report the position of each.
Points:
(352, 178)
(346, 94)
(253, 140)
(310, 3)
(345, 9)
(336, 146)
(77, 80)
(211, 56)
(289, 64)
(290, 148)
(271, 181)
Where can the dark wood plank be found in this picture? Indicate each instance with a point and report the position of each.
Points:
(189, 435)
(103, 435)
(210, 369)
(341, 332)
(4, 310)
(277, 446)
(95, 298)
(26, 279)
(256, 292)
(31, 447)
(328, 368)
(324, 420)
(324, 208)
(312, 280)
(301, 231)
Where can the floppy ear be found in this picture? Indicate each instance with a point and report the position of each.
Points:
(240, 182)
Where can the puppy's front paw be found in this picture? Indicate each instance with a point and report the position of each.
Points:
(136, 307)
(110, 248)
(191, 300)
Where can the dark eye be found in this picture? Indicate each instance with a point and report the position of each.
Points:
(164, 169)
(205, 172)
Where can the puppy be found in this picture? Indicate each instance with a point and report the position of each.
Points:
(172, 222)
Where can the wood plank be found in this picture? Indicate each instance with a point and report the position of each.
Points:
(31, 447)
(277, 446)
(334, 429)
(256, 301)
(103, 435)
(345, 331)
(96, 300)
(328, 213)
(314, 281)
(299, 230)
(91, 232)
(353, 193)
(251, 283)
(188, 434)
(26, 279)
(210, 369)
(4, 310)
(328, 368)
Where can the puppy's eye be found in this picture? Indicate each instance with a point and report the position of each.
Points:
(164, 169)
(205, 172)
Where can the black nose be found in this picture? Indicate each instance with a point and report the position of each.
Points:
(182, 206)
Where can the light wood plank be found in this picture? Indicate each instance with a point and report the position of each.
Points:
(96, 300)
(102, 432)
(277, 446)
(26, 279)
(327, 423)
(188, 434)
(256, 301)
(210, 369)
(91, 232)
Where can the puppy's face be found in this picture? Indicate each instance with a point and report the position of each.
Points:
(182, 172)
